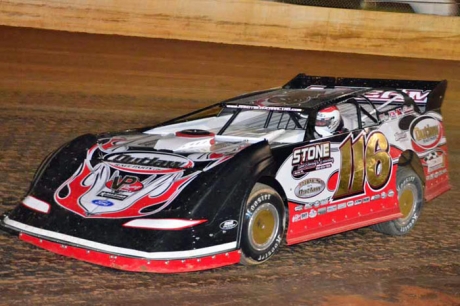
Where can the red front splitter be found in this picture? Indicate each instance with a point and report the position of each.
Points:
(136, 264)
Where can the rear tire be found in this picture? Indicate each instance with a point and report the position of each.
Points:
(410, 197)
(263, 226)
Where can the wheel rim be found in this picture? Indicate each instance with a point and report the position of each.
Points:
(263, 226)
(407, 202)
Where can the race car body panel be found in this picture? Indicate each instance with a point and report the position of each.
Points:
(173, 197)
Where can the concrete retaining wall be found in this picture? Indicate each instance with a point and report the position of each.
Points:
(247, 22)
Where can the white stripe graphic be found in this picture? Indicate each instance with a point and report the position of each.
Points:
(163, 224)
(36, 204)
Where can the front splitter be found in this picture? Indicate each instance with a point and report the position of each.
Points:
(135, 264)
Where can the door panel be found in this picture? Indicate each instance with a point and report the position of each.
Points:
(338, 183)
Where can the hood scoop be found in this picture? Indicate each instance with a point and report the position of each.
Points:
(191, 140)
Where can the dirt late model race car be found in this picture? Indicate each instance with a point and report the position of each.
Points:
(231, 182)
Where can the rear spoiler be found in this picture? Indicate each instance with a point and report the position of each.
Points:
(427, 95)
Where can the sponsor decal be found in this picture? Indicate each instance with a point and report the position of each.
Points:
(312, 213)
(228, 225)
(430, 156)
(145, 161)
(311, 157)
(400, 136)
(375, 197)
(302, 216)
(383, 117)
(434, 161)
(425, 131)
(395, 113)
(366, 200)
(350, 203)
(309, 188)
(316, 204)
(342, 206)
(383, 195)
(419, 96)
(332, 208)
(274, 108)
(398, 112)
(408, 109)
(426, 134)
(322, 211)
(391, 193)
(112, 195)
(104, 203)
(437, 174)
(127, 183)
(298, 208)
(308, 206)
(129, 196)
(358, 202)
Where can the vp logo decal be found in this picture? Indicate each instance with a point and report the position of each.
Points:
(127, 183)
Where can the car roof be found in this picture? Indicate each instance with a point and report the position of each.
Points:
(284, 99)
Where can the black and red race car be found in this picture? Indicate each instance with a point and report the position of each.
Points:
(229, 183)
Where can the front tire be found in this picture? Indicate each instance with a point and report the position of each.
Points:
(263, 226)
(410, 198)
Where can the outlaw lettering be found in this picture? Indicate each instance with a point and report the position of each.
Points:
(146, 161)
(426, 133)
(310, 190)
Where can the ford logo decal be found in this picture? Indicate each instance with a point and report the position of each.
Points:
(104, 203)
(228, 225)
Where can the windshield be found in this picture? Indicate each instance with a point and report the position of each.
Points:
(241, 124)
(247, 121)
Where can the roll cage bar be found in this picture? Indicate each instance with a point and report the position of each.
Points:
(311, 109)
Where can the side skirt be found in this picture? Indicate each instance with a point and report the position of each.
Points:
(343, 227)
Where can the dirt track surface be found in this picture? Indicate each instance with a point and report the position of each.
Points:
(55, 86)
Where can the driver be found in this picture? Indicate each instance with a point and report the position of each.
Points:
(329, 121)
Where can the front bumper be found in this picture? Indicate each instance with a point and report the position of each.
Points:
(126, 259)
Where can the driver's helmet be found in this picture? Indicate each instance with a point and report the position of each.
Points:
(328, 121)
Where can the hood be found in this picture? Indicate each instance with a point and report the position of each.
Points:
(130, 176)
